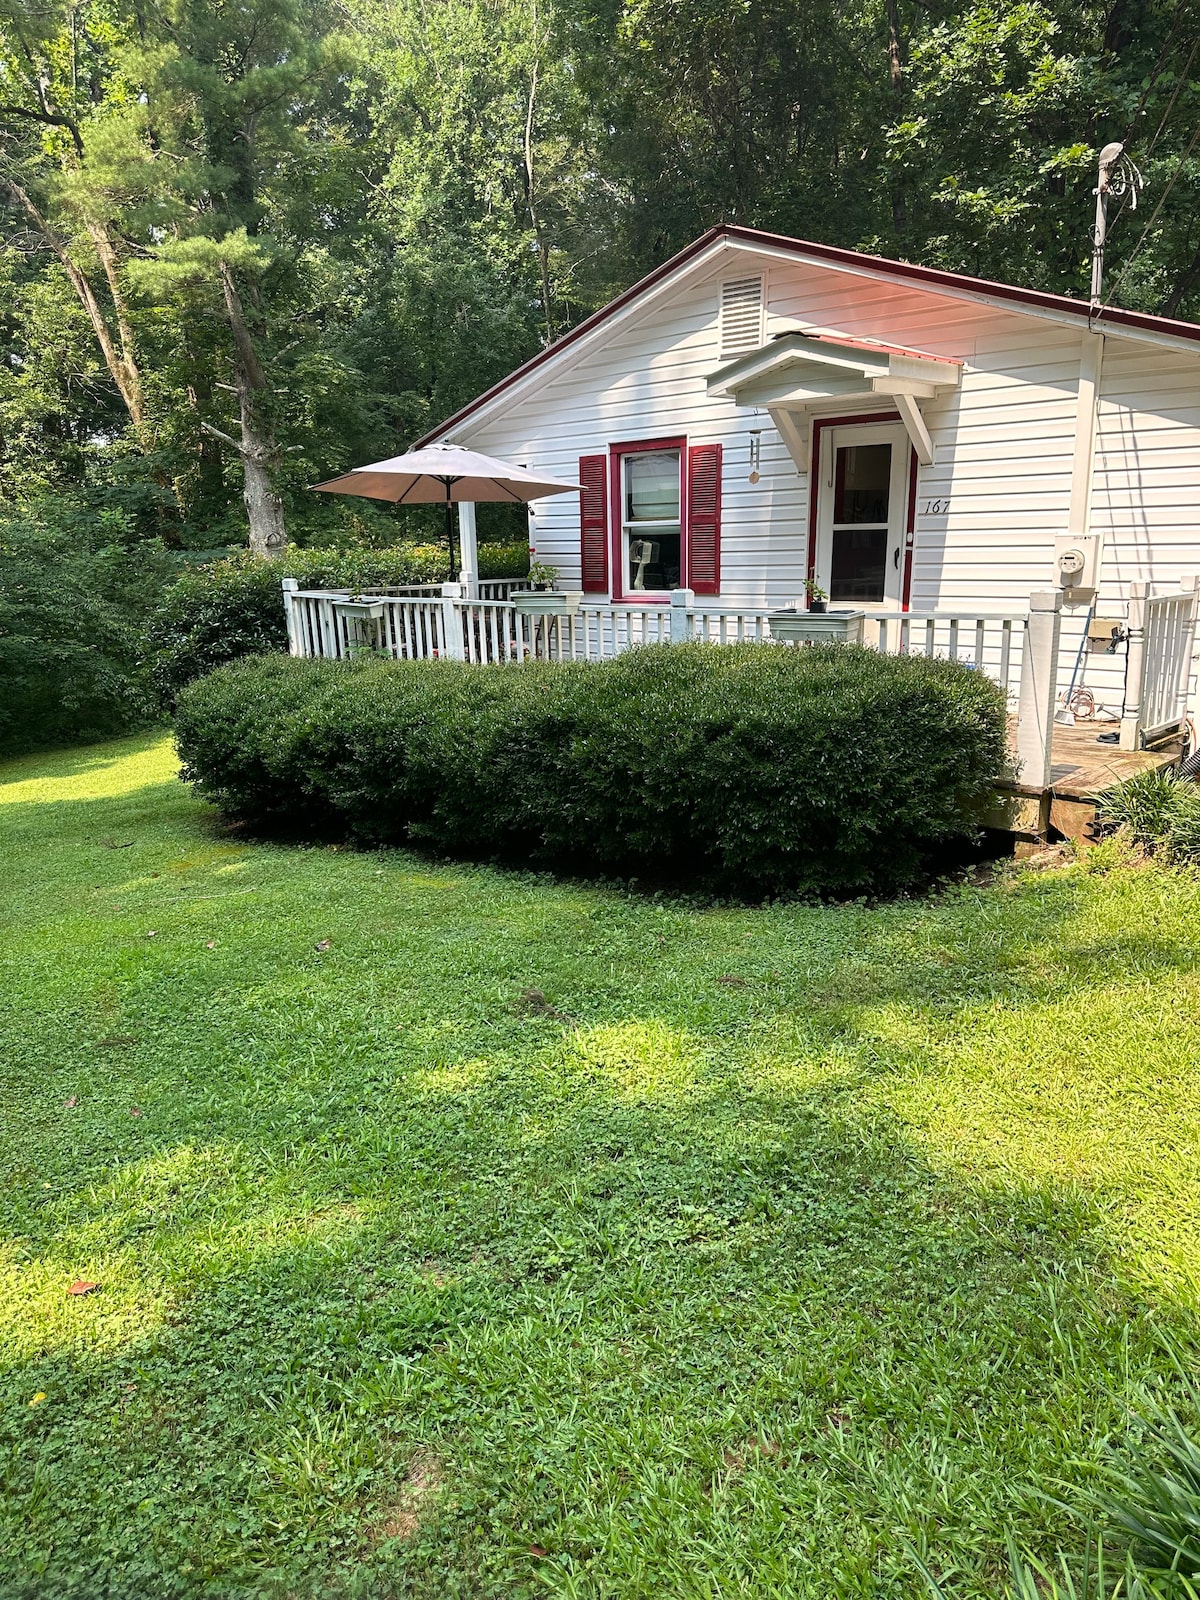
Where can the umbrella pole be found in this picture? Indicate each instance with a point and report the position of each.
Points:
(450, 532)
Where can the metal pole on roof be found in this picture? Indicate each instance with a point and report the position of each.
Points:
(1118, 176)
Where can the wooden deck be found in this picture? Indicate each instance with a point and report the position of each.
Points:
(1081, 769)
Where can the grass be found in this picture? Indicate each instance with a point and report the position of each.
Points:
(460, 1233)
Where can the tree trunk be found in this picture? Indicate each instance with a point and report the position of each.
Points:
(264, 508)
(258, 450)
(118, 352)
(896, 80)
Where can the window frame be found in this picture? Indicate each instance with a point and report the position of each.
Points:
(616, 457)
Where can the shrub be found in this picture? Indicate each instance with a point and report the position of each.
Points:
(754, 767)
(1158, 811)
(503, 560)
(74, 596)
(234, 608)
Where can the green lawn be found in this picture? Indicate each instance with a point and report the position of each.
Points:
(773, 1243)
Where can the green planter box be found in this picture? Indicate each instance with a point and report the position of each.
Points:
(817, 627)
(547, 602)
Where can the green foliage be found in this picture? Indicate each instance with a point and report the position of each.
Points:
(504, 560)
(412, 199)
(733, 1251)
(234, 608)
(1158, 811)
(74, 596)
(764, 769)
(1155, 1501)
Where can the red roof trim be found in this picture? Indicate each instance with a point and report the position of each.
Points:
(907, 271)
(876, 345)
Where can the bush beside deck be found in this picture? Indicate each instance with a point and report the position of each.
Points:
(753, 768)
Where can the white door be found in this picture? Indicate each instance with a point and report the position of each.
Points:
(862, 504)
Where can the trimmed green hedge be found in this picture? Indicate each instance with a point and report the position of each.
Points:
(234, 608)
(755, 768)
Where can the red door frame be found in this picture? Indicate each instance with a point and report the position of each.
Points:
(814, 486)
(616, 452)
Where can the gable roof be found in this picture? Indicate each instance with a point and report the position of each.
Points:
(1038, 302)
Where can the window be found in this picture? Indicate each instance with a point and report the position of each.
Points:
(651, 531)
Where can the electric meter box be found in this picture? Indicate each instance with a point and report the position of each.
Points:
(1075, 561)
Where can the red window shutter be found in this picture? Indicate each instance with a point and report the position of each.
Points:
(704, 519)
(593, 523)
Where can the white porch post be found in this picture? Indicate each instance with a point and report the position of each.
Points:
(452, 625)
(682, 601)
(1135, 667)
(468, 547)
(1039, 683)
(290, 585)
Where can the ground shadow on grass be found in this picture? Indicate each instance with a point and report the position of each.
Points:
(705, 1339)
(722, 1269)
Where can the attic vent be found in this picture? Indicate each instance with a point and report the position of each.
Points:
(741, 315)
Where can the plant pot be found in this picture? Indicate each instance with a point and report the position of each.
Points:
(360, 609)
(823, 627)
(547, 602)
(816, 608)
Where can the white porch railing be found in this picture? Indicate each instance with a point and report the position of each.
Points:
(1158, 667)
(421, 625)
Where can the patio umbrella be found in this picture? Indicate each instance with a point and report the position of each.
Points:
(445, 473)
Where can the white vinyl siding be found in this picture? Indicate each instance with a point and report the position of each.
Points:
(1003, 441)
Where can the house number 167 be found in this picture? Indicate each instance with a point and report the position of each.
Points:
(935, 508)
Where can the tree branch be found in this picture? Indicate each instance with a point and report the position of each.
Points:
(48, 117)
(225, 438)
(121, 365)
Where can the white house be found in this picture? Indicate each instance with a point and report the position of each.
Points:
(1005, 476)
(760, 411)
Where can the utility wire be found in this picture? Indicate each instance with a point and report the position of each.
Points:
(1154, 77)
(1129, 260)
(1167, 45)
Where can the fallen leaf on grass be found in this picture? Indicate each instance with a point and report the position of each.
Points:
(38, 1398)
(322, 944)
(535, 1004)
(81, 1286)
(153, 934)
(73, 1101)
(732, 982)
(538, 1550)
(211, 945)
(135, 1111)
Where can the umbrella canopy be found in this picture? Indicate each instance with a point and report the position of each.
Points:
(445, 473)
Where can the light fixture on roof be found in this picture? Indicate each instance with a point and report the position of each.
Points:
(1120, 177)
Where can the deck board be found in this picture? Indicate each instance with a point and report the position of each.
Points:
(1081, 769)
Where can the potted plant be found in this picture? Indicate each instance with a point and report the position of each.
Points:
(541, 576)
(816, 624)
(542, 599)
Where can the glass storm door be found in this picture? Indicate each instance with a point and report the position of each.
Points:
(861, 508)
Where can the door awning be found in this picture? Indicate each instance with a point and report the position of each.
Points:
(794, 372)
